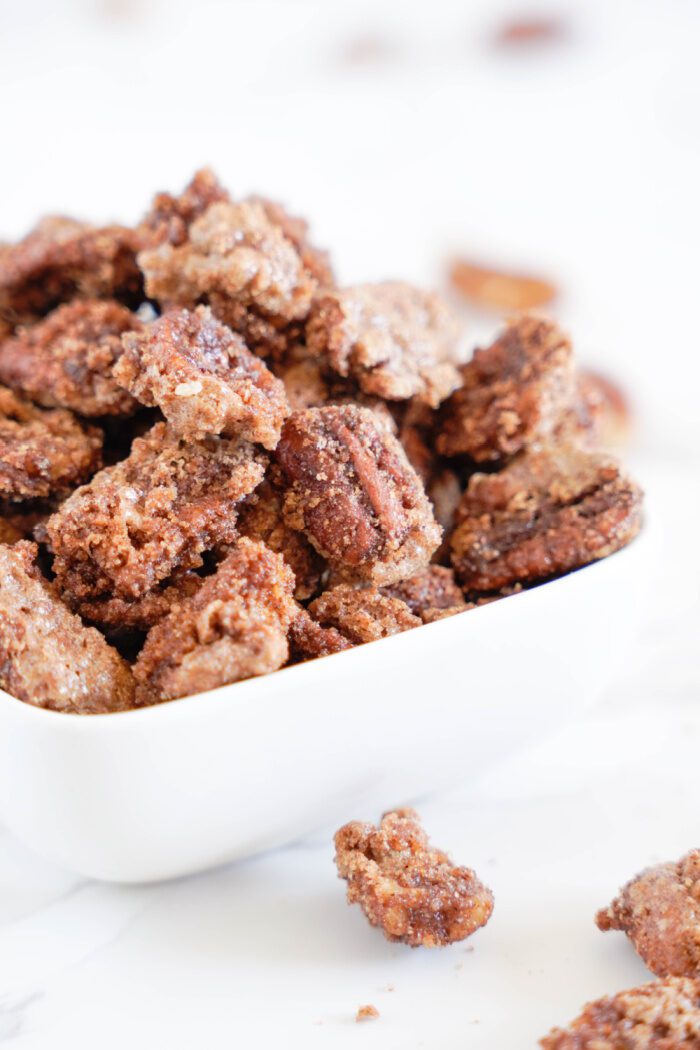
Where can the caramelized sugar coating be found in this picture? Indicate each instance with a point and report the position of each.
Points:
(151, 515)
(121, 615)
(352, 491)
(405, 886)
(396, 341)
(362, 615)
(43, 452)
(169, 218)
(261, 518)
(241, 264)
(203, 378)
(63, 259)
(47, 657)
(305, 380)
(547, 513)
(431, 594)
(499, 290)
(67, 360)
(661, 1015)
(234, 627)
(309, 639)
(659, 910)
(513, 394)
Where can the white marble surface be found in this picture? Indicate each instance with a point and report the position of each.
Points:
(582, 162)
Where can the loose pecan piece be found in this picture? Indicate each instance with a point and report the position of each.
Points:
(659, 910)
(408, 888)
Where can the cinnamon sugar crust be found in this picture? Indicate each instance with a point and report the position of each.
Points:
(67, 360)
(203, 378)
(547, 513)
(150, 515)
(234, 627)
(396, 341)
(43, 452)
(513, 394)
(63, 259)
(47, 657)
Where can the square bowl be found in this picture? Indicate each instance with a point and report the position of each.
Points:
(184, 786)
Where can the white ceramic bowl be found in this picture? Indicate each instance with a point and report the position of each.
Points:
(177, 788)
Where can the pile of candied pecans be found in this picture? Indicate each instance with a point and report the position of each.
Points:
(215, 462)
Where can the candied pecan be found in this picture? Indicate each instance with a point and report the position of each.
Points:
(47, 657)
(396, 341)
(362, 615)
(409, 889)
(203, 378)
(261, 518)
(431, 594)
(63, 259)
(67, 360)
(242, 265)
(170, 218)
(547, 513)
(659, 910)
(139, 614)
(513, 393)
(602, 409)
(498, 290)
(661, 1015)
(234, 627)
(151, 514)
(43, 451)
(354, 494)
(308, 639)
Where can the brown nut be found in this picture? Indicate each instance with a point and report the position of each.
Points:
(351, 490)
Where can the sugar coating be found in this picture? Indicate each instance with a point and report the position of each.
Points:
(397, 341)
(546, 513)
(234, 627)
(151, 514)
(431, 594)
(43, 452)
(47, 657)
(63, 259)
(203, 378)
(351, 490)
(513, 394)
(67, 360)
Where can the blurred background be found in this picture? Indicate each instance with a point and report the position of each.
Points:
(560, 140)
